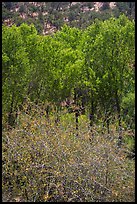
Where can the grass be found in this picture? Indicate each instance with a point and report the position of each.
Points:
(44, 162)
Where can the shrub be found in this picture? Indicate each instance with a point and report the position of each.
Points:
(44, 162)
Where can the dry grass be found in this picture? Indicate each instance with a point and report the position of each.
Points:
(44, 162)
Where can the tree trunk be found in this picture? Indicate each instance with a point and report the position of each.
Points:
(11, 116)
(119, 121)
(76, 112)
(91, 118)
(107, 121)
(47, 111)
(57, 115)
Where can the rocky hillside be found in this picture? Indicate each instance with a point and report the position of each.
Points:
(50, 16)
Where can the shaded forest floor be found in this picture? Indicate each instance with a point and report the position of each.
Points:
(43, 161)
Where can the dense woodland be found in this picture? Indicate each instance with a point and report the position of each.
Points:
(92, 70)
(48, 17)
(71, 91)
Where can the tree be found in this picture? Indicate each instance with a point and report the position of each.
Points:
(128, 8)
(105, 6)
(70, 37)
(15, 69)
(108, 52)
(8, 5)
(72, 63)
(22, 9)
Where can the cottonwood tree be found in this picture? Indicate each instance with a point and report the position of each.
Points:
(94, 64)
(70, 37)
(15, 71)
(108, 49)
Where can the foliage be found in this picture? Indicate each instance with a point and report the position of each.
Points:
(128, 107)
(127, 8)
(70, 97)
(15, 69)
(80, 14)
(96, 59)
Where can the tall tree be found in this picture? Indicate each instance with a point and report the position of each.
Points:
(15, 69)
(108, 49)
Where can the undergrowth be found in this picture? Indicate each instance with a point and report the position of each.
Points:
(43, 162)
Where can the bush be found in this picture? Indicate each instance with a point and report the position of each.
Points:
(44, 162)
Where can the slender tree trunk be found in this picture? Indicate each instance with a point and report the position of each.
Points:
(39, 91)
(91, 118)
(11, 117)
(108, 125)
(119, 121)
(47, 111)
(57, 116)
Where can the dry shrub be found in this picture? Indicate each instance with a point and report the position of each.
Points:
(44, 161)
